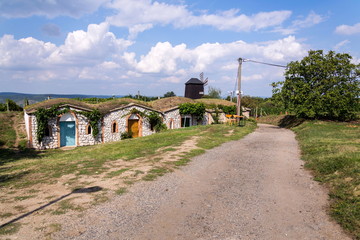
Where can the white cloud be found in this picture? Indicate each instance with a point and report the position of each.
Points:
(282, 49)
(355, 60)
(213, 57)
(89, 47)
(348, 30)
(161, 58)
(146, 14)
(252, 77)
(96, 56)
(138, 28)
(25, 53)
(311, 20)
(48, 8)
(341, 44)
(171, 79)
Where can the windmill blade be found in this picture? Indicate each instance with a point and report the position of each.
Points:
(202, 76)
(206, 81)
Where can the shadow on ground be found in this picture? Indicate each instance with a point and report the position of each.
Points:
(290, 121)
(79, 190)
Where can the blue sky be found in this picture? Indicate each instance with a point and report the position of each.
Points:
(124, 46)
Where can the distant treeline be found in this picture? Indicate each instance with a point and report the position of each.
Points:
(10, 105)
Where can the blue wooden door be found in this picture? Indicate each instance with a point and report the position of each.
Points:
(67, 134)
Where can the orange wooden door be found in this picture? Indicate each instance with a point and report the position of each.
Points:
(134, 128)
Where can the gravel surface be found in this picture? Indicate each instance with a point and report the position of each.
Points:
(254, 188)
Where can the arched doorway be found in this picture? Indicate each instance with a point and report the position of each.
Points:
(67, 130)
(134, 125)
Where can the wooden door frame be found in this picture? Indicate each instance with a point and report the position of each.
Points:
(140, 126)
(76, 128)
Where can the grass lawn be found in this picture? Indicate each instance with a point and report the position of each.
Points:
(332, 151)
(29, 167)
(7, 132)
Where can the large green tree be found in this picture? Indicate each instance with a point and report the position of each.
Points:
(321, 86)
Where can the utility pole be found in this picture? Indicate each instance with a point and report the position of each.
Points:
(238, 92)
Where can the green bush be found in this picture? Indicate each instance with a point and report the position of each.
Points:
(126, 135)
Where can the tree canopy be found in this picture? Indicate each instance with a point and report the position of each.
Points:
(321, 86)
(169, 94)
(214, 92)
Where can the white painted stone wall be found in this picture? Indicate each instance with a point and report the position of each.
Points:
(175, 116)
(105, 127)
(81, 138)
(47, 142)
(84, 138)
(120, 116)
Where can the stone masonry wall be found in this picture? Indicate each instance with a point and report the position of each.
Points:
(53, 141)
(86, 139)
(47, 142)
(173, 115)
(120, 117)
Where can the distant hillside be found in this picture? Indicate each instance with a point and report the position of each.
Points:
(34, 98)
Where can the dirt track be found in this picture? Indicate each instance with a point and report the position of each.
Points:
(255, 188)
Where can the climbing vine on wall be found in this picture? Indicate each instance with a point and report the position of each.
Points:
(43, 115)
(196, 109)
(94, 118)
(155, 120)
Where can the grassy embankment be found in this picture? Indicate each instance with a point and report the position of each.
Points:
(7, 132)
(332, 151)
(9, 137)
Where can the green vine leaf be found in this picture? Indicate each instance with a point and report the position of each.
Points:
(94, 118)
(43, 115)
(196, 109)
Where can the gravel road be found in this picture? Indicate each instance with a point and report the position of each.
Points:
(254, 188)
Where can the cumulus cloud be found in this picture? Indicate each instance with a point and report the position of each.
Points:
(96, 55)
(87, 54)
(161, 58)
(348, 30)
(144, 14)
(25, 53)
(94, 45)
(48, 8)
(167, 59)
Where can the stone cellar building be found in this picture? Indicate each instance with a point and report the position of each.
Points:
(118, 116)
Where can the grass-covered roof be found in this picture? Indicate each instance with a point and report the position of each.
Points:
(162, 104)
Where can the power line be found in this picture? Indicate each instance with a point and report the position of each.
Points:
(270, 64)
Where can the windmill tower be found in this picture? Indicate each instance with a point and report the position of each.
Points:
(194, 88)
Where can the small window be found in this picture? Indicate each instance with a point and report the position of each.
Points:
(88, 129)
(114, 127)
(185, 121)
(48, 131)
(171, 125)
